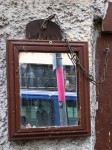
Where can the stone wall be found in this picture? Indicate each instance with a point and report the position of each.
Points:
(77, 18)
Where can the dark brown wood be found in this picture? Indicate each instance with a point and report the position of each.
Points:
(15, 132)
(17, 90)
(104, 93)
(34, 31)
(107, 21)
(11, 94)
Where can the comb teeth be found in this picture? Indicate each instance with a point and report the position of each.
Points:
(52, 32)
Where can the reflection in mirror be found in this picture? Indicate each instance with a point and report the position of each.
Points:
(48, 90)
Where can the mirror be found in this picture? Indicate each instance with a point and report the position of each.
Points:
(48, 96)
(48, 90)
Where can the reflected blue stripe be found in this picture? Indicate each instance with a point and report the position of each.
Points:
(48, 95)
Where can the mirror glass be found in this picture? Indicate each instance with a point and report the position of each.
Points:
(48, 90)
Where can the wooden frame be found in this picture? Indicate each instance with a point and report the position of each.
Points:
(15, 132)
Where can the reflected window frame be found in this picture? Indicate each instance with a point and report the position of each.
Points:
(14, 47)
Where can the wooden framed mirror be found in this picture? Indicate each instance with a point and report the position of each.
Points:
(48, 96)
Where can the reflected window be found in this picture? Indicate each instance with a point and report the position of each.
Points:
(48, 90)
(36, 111)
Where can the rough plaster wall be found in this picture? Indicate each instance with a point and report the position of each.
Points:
(77, 19)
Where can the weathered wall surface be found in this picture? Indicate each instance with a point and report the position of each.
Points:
(76, 17)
